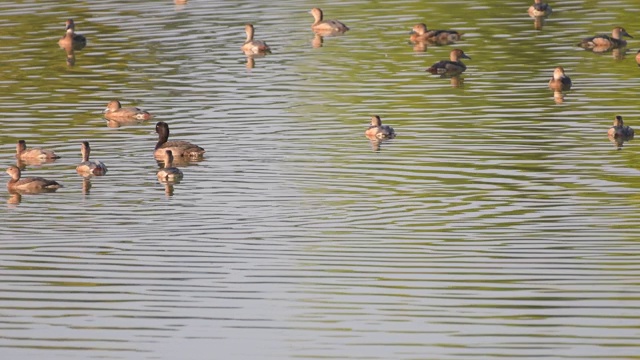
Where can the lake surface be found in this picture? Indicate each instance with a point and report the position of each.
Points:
(498, 224)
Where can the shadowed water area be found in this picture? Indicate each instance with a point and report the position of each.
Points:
(497, 224)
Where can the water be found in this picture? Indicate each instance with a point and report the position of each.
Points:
(497, 224)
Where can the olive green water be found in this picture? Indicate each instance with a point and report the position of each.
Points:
(498, 224)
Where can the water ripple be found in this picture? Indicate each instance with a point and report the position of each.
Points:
(497, 224)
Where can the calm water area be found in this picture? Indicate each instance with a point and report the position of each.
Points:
(500, 223)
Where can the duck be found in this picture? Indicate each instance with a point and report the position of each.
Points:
(539, 9)
(22, 153)
(638, 57)
(179, 148)
(378, 131)
(453, 66)
(168, 172)
(326, 26)
(605, 41)
(115, 112)
(71, 40)
(419, 33)
(253, 47)
(87, 167)
(559, 81)
(30, 184)
(619, 130)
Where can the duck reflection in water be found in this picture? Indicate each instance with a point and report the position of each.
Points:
(169, 189)
(538, 22)
(619, 133)
(420, 46)
(457, 81)
(558, 97)
(15, 198)
(616, 53)
(180, 4)
(114, 124)
(71, 57)
(318, 41)
(251, 62)
(86, 185)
